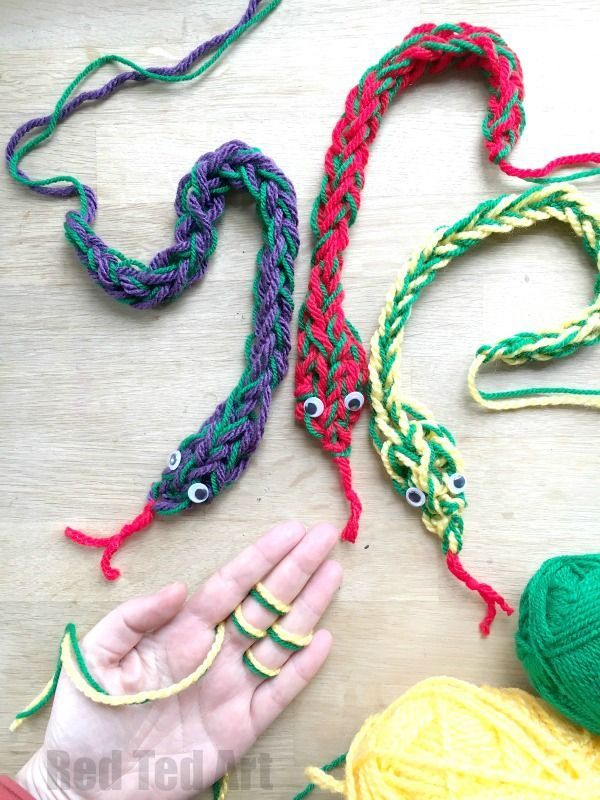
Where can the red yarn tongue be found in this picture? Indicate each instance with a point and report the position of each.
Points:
(111, 544)
(350, 531)
(490, 596)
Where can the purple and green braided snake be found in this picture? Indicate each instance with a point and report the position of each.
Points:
(217, 454)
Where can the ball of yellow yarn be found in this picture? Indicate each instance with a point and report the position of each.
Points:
(449, 740)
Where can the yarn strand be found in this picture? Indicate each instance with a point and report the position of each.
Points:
(111, 544)
(63, 109)
(350, 530)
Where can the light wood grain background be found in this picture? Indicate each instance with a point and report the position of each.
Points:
(94, 395)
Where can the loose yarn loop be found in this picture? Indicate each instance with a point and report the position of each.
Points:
(417, 451)
(177, 73)
(217, 454)
(331, 359)
(445, 739)
(558, 640)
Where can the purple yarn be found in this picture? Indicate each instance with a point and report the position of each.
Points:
(108, 89)
(218, 452)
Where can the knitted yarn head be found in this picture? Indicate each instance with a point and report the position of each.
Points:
(558, 640)
(445, 740)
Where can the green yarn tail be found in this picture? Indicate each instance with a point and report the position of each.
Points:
(510, 394)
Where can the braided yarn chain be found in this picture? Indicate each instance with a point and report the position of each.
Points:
(214, 456)
(332, 364)
(418, 452)
(217, 454)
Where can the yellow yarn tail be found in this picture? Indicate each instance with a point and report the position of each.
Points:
(325, 781)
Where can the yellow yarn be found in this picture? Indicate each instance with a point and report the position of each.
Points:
(398, 419)
(449, 740)
(269, 597)
(70, 666)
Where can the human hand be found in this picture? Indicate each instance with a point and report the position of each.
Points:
(154, 641)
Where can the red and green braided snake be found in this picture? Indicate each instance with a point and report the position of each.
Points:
(331, 371)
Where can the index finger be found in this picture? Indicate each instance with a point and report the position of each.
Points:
(226, 589)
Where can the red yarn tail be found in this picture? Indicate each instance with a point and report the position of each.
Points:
(350, 531)
(110, 544)
(489, 596)
(581, 160)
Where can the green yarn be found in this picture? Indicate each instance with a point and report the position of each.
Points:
(558, 640)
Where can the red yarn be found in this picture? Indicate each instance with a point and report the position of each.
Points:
(111, 544)
(331, 358)
(490, 596)
(558, 163)
(350, 531)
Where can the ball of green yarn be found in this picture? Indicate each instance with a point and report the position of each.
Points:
(558, 640)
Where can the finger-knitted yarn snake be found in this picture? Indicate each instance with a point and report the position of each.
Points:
(420, 454)
(331, 371)
(215, 455)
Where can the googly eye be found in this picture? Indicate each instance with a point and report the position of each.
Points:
(198, 493)
(457, 483)
(174, 460)
(354, 401)
(415, 497)
(313, 407)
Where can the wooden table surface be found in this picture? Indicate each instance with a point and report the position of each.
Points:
(94, 394)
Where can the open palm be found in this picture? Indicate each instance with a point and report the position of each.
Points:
(154, 641)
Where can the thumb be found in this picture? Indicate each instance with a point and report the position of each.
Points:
(122, 629)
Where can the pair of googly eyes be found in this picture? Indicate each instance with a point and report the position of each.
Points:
(197, 492)
(416, 497)
(314, 406)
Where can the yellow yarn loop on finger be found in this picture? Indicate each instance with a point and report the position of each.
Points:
(244, 626)
(267, 599)
(257, 667)
(288, 640)
(449, 740)
(71, 668)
